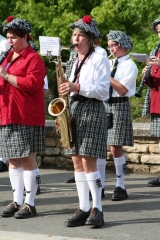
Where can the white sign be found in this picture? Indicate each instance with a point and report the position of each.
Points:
(141, 57)
(49, 46)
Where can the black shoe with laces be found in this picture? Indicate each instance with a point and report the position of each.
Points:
(95, 218)
(10, 210)
(3, 167)
(78, 219)
(119, 194)
(26, 211)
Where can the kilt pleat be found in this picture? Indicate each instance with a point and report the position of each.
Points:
(122, 132)
(89, 128)
(19, 141)
(155, 125)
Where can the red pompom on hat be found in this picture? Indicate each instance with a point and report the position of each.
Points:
(30, 38)
(87, 24)
(9, 19)
(87, 19)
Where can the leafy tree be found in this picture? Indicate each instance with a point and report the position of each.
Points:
(53, 17)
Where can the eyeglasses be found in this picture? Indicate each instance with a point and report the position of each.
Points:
(112, 46)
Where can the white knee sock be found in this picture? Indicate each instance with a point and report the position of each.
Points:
(119, 171)
(95, 186)
(17, 183)
(83, 191)
(101, 166)
(31, 185)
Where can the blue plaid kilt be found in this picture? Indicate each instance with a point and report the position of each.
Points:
(89, 126)
(155, 125)
(122, 132)
(17, 141)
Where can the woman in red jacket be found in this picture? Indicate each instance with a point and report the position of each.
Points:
(22, 116)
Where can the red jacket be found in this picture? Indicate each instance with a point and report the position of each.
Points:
(155, 88)
(23, 104)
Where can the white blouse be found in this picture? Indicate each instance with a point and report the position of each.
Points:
(126, 74)
(94, 77)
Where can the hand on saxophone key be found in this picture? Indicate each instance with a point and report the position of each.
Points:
(67, 87)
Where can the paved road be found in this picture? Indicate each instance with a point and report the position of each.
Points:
(137, 218)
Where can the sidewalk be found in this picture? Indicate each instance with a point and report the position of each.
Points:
(137, 218)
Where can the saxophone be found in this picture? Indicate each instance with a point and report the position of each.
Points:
(59, 107)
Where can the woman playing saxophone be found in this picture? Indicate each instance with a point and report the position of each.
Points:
(88, 85)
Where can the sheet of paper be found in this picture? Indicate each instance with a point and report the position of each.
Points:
(141, 57)
(49, 46)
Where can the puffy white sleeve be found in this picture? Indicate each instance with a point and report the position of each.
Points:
(95, 78)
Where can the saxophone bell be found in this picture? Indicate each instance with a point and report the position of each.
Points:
(58, 108)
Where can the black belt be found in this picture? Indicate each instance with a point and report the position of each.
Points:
(81, 98)
(118, 99)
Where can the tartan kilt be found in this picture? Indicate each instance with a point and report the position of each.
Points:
(89, 128)
(122, 132)
(19, 141)
(155, 125)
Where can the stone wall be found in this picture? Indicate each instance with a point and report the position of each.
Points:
(143, 157)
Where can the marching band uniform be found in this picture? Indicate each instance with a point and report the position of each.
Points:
(3, 48)
(152, 98)
(89, 124)
(22, 117)
(122, 133)
(101, 163)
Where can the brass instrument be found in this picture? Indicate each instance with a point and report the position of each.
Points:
(59, 107)
(111, 61)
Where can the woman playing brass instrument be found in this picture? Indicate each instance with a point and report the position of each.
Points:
(22, 117)
(88, 85)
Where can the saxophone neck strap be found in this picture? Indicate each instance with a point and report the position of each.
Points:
(77, 70)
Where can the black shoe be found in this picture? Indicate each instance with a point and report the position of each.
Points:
(37, 193)
(26, 211)
(154, 183)
(78, 219)
(10, 210)
(3, 167)
(70, 180)
(95, 218)
(119, 194)
(102, 194)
